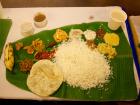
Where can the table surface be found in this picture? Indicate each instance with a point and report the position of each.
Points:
(132, 7)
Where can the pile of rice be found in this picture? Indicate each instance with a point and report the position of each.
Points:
(81, 66)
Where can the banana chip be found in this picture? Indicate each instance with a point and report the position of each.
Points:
(9, 57)
(44, 78)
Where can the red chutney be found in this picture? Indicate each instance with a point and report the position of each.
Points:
(44, 55)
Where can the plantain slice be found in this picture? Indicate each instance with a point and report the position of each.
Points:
(9, 56)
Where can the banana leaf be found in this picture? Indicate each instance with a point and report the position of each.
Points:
(121, 86)
(5, 25)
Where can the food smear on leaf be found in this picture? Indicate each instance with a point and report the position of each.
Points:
(51, 44)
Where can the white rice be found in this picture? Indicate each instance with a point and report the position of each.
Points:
(82, 67)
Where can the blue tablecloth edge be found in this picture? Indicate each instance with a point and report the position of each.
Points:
(130, 36)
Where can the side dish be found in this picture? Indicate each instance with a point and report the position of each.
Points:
(9, 56)
(40, 20)
(44, 78)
